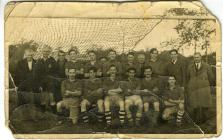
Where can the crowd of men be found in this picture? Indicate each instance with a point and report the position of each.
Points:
(76, 86)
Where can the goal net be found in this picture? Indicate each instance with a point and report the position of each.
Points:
(119, 34)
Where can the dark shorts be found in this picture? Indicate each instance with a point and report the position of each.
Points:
(149, 99)
(93, 100)
(94, 96)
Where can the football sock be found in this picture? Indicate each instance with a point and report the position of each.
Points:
(100, 116)
(122, 116)
(85, 117)
(108, 117)
(180, 116)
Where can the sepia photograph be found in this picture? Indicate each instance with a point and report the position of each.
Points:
(148, 69)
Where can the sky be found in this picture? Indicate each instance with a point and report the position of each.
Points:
(165, 31)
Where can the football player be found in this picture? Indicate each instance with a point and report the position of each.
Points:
(149, 93)
(173, 101)
(113, 95)
(132, 97)
(93, 94)
(71, 90)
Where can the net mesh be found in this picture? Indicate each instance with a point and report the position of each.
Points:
(119, 34)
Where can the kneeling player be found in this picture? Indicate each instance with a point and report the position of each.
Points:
(174, 101)
(71, 90)
(93, 94)
(113, 95)
(132, 97)
(149, 91)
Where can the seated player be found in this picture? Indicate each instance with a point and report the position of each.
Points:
(132, 97)
(71, 90)
(173, 101)
(113, 95)
(93, 94)
(149, 91)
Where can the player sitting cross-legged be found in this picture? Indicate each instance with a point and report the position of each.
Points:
(132, 97)
(173, 101)
(93, 94)
(71, 90)
(113, 95)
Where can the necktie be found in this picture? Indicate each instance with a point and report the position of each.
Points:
(197, 66)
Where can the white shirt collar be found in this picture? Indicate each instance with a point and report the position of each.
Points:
(174, 61)
(198, 65)
(30, 65)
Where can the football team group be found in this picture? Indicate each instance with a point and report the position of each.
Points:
(137, 87)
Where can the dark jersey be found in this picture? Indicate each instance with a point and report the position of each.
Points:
(78, 65)
(125, 67)
(46, 67)
(88, 65)
(131, 85)
(177, 70)
(174, 94)
(91, 89)
(117, 65)
(140, 69)
(60, 68)
(158, 67)
(108, 84)
(150, 85)
(71, 86)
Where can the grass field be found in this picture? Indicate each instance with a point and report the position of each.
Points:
(47, 123)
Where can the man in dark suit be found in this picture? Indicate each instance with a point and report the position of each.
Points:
(45, 72)
(200, 76)
(24, 70)
(25, 75)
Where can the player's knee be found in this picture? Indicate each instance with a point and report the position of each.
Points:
(165, 115)
(146, 104)
(128, 103)
(100, 90)
(121, 104)
(181, 106)
(156, 105)
(139, 102)
(107, 103)
(83, 103)
(100, 102)
(59, 107)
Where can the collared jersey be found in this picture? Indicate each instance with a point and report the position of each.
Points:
(174, 94)
(91, 87)
(108, 84)
(76, 85)
(131, 85)
(149, 84)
